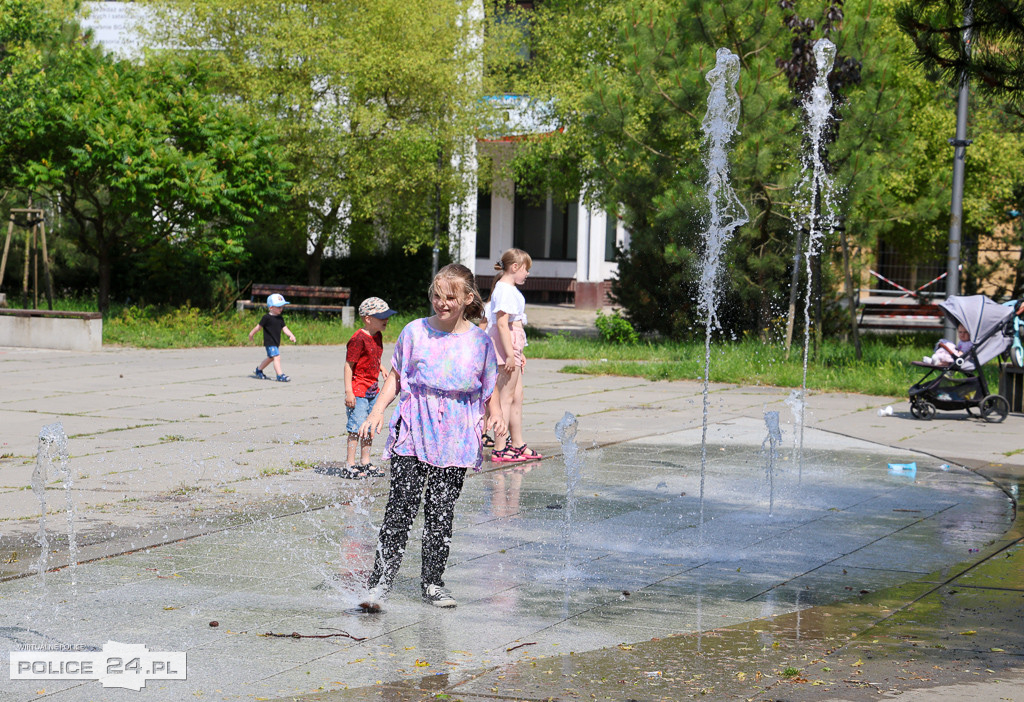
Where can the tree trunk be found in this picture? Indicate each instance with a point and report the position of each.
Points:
(106, 267)
(794, 284)
(851, 303)
(314, 264)
(315, 257)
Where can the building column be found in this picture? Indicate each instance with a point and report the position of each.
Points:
(589, 257)
(503, 215)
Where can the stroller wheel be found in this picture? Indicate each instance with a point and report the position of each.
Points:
(994, 408)
(922, 409)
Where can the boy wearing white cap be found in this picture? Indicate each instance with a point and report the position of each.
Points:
(362, 371)
(272, 325)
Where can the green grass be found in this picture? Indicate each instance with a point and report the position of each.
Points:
(182, 328)
(884, 368)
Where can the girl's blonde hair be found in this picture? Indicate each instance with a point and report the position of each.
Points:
(508, 259)
(462, 279)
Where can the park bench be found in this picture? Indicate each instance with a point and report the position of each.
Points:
(550, 289)
(259, 291)
(903, 316)
(547, 289)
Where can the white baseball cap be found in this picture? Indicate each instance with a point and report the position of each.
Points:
(277, 300)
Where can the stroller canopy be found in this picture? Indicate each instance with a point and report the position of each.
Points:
(984, 319)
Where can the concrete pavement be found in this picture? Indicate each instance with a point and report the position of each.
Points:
(173, 445)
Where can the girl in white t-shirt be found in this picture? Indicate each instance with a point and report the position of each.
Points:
(506, 316)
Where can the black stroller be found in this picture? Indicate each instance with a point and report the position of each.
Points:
(961, 384)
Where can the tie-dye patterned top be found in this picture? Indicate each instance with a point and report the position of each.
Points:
(444, 383)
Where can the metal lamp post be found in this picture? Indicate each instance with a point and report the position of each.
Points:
(960, 144)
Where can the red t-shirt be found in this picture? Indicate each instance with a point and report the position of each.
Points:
(365, 352)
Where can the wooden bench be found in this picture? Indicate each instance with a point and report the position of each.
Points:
(554, 285)
(546, 289)
(259, 292)
(901, 316)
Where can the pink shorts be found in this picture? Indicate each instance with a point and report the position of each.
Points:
(518, 344)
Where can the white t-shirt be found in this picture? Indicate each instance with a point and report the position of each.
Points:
(506, 298)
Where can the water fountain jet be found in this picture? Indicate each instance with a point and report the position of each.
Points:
(817, 189)
(770, 447)
(726, 213)
(52, 461)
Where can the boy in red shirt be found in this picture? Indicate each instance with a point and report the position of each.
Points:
(362, 369)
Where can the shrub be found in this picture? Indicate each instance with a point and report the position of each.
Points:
(616, 329)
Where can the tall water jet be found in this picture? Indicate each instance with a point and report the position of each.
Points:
(816, 188)
(565, 430)
(52, 453)
(726, 213)
(770, 447)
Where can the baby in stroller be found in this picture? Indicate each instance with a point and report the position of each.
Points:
(961, 385)
(946, 352)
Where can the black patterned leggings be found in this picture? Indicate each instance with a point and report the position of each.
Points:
(408, 476)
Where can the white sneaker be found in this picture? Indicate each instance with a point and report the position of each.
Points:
(438, 596)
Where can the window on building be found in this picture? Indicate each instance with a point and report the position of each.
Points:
(514, 15)
(546, 229)
(611, 232)
(483, 224)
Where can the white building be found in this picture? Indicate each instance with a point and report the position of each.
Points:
(573, 247)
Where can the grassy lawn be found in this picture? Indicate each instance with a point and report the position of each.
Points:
(190, 328)
(884, 369)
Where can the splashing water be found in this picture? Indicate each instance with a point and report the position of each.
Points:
(796, 405)
(726, 213)
(566, 430)
(52, 453)
(816, 189)
(770, 447)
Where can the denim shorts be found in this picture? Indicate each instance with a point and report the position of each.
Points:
(272, 351)
(358, 414)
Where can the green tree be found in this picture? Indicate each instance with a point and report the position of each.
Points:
(38, 52)
(905, 200)
(140, 155)
(633, 138)
(626, 79)
(994, 57)
(374, 102)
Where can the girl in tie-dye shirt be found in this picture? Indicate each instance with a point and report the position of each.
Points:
(443, 373)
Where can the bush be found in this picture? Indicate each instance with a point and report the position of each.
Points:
(616, 329)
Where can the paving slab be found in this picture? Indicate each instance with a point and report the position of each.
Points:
(202, 479)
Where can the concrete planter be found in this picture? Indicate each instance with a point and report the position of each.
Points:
(43, 329)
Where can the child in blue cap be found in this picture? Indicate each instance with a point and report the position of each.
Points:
(272, 325)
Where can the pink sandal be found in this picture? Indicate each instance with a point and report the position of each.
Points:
(509, 454)
(528, 454)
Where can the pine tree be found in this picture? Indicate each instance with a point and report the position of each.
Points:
(993, 58)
